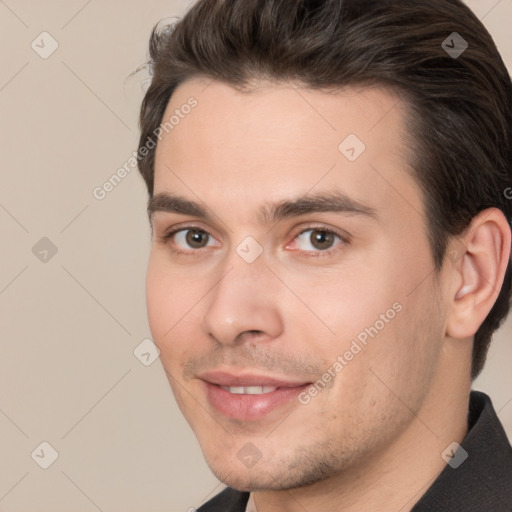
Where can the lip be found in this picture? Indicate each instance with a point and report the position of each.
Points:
(247, 407)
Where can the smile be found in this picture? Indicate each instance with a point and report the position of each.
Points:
(249, 390)
(248, 396)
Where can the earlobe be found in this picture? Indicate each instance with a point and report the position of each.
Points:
(479, 274)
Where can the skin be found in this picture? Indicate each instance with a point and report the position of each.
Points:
(373, 438)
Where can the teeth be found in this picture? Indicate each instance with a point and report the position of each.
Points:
(236, 390)
(249, 390)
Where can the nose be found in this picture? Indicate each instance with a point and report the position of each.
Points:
(243, 306)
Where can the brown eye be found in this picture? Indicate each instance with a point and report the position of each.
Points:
(317, 240)
(322, 240)
(196, 239)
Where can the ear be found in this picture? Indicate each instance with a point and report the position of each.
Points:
(479, 259)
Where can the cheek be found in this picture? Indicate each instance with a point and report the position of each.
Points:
(168, 295)
(158, 301)
(173, 307)
(166, 303)
(342, 302)
(366, 312)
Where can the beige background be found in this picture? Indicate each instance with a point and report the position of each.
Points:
(68, 374)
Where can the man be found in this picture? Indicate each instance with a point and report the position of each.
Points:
(331, 249)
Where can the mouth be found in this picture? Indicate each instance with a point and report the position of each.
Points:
(250, 397)
(249, 390)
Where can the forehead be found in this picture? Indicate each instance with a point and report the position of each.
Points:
(280, 140)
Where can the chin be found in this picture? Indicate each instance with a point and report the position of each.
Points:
(264, 476)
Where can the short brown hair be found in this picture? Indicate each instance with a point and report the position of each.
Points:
(461, 105)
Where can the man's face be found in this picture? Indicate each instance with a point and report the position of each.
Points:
(296, 309)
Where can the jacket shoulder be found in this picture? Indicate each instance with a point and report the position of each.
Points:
(229, 500)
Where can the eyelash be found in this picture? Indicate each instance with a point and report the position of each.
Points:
(344, 239)
(167, 236)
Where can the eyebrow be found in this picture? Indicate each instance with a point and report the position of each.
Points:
(336, 202)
